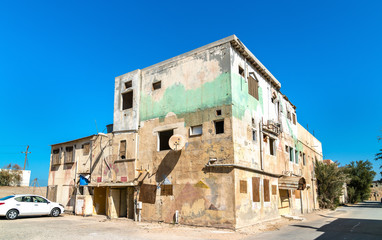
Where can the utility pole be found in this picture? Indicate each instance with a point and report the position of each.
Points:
(26, 156)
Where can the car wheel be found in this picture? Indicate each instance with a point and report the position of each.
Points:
(12, 214)
(55, 212)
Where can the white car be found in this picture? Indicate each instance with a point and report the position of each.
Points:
(28, 205)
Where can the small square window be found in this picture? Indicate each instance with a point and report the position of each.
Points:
(157, 85)
(196, 130)
(218, 112)
(163, 139)
(241, 71)
(219, 127)
(128, 84)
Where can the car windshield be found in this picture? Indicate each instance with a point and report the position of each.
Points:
(5, 198)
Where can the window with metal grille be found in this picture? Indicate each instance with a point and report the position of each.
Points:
(166, 190)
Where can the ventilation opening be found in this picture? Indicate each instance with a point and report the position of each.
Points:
(218, 112)
(163, 139)
(128, 84)
(127, 99)
(157, 85)
(241, 71)
(219, 127)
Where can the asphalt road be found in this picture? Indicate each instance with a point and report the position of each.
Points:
(361, 221)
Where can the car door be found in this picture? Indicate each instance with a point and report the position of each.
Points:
(25, 205)
(40, 206)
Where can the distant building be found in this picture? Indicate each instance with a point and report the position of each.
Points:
(207, 134)
(25, 177)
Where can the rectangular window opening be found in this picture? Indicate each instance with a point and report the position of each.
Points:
(219, 127)
(163, 139)
(196, 130)
(122, 149)
(127, 100)
(253, 87)
(85, 149)
(272, 146)
(296, 156)
(294, 118)
(157, 85)
(303, 159)
(274, 189)
(218, 112)
(128, 84)
(69, 154)
(56, 156)
(241, 71)
(254, 135)
(291, 157)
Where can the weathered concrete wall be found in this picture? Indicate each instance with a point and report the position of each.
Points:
(6, 191)
(193, 88)
(127, 119)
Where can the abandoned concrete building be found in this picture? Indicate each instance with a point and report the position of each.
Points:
(204, 138)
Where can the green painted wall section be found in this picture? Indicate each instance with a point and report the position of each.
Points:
(242, 100)
(180, 101)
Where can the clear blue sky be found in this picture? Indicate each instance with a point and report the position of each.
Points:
(58, 61)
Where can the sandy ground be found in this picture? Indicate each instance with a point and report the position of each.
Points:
(99, 227)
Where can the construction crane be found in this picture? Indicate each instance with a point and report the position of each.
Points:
(26, 157)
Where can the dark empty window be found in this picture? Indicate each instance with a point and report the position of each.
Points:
(272, 146)
(163, 139)
(254, 135)
(122, 149)
(253, 87)
(157, 85)
(218, 112)
(294, 118)
(296, 156)
(303, 159)
(253, 121)
(128, 84)
(241, 71)
(219, 127)
(127, 99)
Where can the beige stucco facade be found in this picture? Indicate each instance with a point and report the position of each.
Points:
(244, 158)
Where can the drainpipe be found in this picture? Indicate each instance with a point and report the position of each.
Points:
(261, 145)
